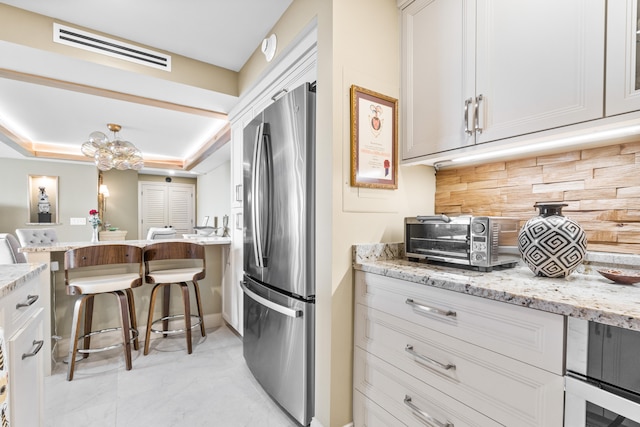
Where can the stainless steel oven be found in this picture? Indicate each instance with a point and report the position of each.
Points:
(481, 242)
(602, 385)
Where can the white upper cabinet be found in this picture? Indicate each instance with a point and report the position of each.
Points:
(485, 70)
(438, 71)
(623, 73)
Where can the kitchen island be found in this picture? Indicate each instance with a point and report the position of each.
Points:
(464, 347)
(59, 306)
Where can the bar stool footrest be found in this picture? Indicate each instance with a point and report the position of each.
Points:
(175, 331)
(132, 331)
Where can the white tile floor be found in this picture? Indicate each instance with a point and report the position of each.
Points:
(210, 387)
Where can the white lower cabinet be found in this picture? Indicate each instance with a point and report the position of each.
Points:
(422, 352)
(408, 399)
(232, 294)
(371, 415)
(26, 372)
(22, 321)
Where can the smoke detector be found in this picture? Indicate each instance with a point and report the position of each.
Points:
(269, 47)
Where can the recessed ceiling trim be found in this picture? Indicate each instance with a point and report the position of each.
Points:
(214, 144)
(92, 90)
(106, 46)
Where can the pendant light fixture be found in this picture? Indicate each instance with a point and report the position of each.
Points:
(116, 153)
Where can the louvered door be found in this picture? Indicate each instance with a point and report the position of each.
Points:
(181, 208)
(166, 205)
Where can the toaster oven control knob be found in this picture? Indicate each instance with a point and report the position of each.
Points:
(478, 227)
(478, 256)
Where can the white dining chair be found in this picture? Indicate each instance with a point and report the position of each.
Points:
(9, 253)
(36, 236)
(157, 233)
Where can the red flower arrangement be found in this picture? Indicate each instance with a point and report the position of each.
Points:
(94, 218)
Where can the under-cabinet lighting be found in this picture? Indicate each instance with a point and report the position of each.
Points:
(555, 143)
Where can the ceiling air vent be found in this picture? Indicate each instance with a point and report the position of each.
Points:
(106, 46)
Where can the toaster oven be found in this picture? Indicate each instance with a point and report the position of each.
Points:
(482, 242)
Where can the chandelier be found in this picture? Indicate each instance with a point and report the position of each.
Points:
(117, 153)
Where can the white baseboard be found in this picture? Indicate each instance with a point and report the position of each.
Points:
(316, 423)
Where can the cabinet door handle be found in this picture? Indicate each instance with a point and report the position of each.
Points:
(238, 221)
(466, 116)
(239, 193)
(426, 308)
(279, 94)
(409, 349)
(428, 418)
(38, 345)
(476, 120)
(31, 299)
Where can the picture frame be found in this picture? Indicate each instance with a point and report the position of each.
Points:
(43, 199)
(374, 139)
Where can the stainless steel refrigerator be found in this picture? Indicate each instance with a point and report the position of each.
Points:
(279, 255)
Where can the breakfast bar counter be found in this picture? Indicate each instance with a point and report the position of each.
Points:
(584, 294)
(58, 305)
(13, 276)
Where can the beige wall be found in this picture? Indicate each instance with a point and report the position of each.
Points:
(347, 54)
(31, 29)
(77, 195)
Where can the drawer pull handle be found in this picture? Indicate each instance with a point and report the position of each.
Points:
(38, 345)
(428, 418)
(31, 299)
(409, 349)
(423, 307)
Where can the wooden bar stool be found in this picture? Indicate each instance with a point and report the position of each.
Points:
(168, 263)
(101, 269)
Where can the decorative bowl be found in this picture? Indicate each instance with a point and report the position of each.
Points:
(204, 231)
(621, 276)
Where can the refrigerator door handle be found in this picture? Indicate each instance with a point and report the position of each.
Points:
(255, 209)
(270, 304)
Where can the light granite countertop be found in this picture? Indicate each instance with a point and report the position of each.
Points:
(65, 246)
(13, 276)
(584, 294)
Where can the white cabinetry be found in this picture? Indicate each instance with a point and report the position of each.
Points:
(424, 352)
(623, 72)
(232, 297)
(481, 71)
(166, 205)
(21, 313)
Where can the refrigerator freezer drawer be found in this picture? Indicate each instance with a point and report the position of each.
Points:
(279, 347)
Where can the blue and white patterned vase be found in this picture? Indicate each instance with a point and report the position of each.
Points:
(551, 244)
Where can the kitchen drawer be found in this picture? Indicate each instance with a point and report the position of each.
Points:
(26, 372)
(29, 301)
(390, 388)
(532, 336)
(506, 390)
(367, 414)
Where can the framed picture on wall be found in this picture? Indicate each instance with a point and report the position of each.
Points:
(43, 199)
(374, 139)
